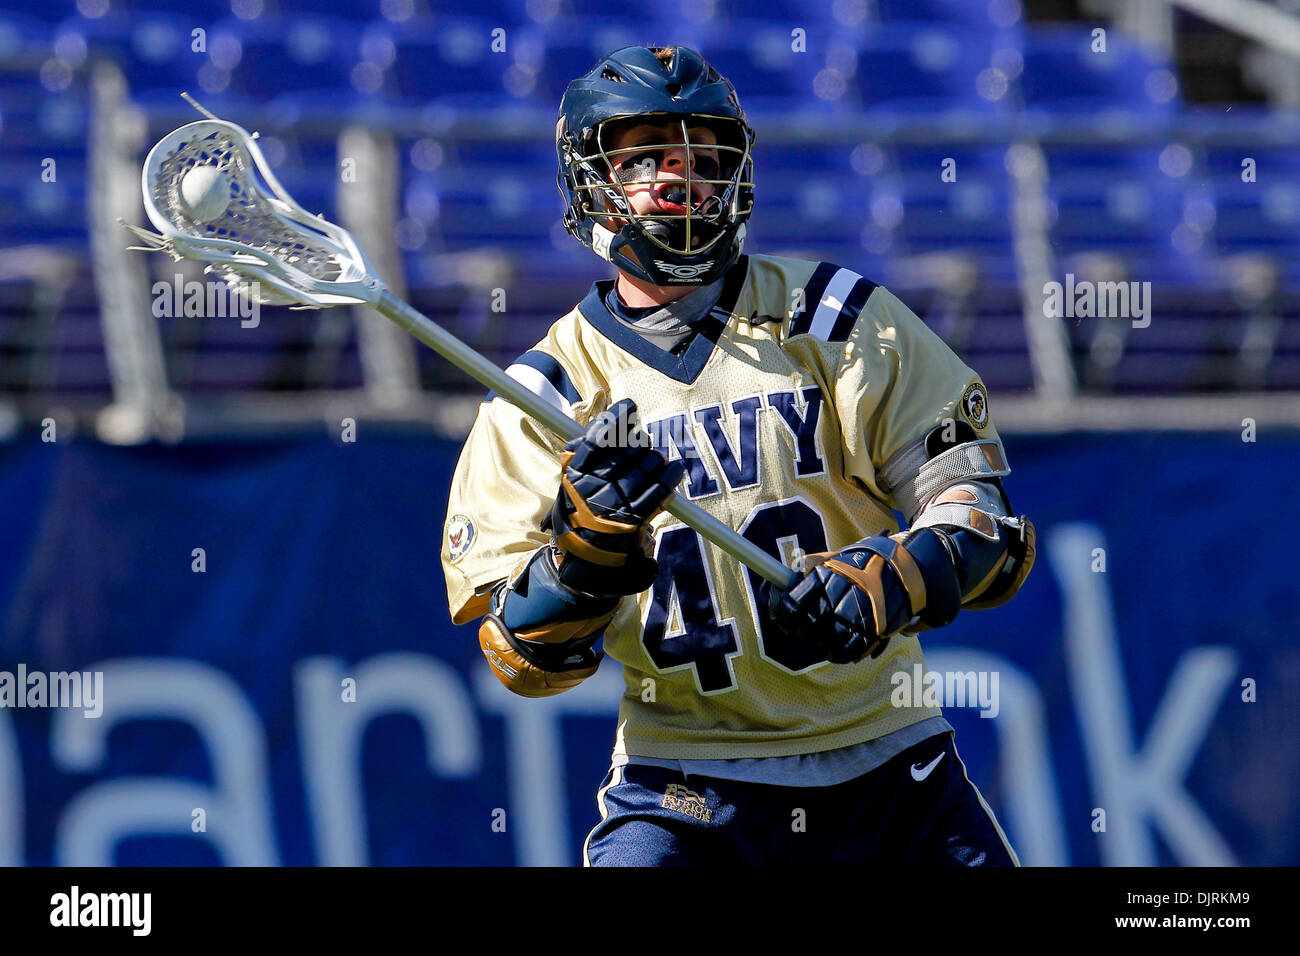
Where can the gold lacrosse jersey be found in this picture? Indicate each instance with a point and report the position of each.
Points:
(804, 380)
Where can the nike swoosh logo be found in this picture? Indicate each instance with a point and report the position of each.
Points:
(920, 773)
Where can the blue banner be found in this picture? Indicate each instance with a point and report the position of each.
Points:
(263, 629)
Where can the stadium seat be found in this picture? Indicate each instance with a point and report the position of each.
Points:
(155, 54)
(665, 15)
(533, 160)
(909, 68)
(1259, 219)
(815, 157)
(197, 12)
(773, 81)
(971, 215)
(40, 127)
(1142, 204)
(300, 57)
(499, 13)
(791, 13)
(56, 11)
(456, 66)
(1062, 75)
(965, 14)
(65, 357)
(1284, 371)
(24, 42)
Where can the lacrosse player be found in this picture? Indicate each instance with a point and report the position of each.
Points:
(799, 403)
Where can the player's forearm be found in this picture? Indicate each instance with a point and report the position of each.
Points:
(538, 597)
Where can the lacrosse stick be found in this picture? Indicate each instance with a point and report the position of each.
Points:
(254, 235)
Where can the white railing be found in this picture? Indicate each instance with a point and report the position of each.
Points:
(1263, 23)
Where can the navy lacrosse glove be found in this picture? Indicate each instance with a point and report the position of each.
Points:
(612, 485)
(852, 603)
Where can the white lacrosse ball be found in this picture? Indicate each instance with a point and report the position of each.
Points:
(205, 193)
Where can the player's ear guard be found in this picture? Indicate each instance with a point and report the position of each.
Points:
(538, 636)
(612, 484)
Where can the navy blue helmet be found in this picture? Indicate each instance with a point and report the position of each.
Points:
(697, 228)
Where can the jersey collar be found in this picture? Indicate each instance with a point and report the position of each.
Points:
(685, 368)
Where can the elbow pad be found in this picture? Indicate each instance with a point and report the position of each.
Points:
(960, 569)
(992, 553)
(1008, 561)
(951, 482)
(538, 636)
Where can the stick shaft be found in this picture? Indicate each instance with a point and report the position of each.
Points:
(488, 374)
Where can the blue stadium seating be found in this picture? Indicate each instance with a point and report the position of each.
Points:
(50, 11)
(793, 13)
(155, 53)
(772, 80)
(499, 13)
(966, 14)
(198, 12)
(307, 61)
(1063, 75)
(39, 128)
(665, 14)
(66, 357)
(1172, 212)
(1284, 371)
(909, 68)
(1261, 219)
(455, 66)
(22, 38)
(1126, 202)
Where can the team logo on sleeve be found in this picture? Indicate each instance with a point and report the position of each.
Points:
(975, 405)
(460, 536)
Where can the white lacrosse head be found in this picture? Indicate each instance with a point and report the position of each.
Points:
(263, 236)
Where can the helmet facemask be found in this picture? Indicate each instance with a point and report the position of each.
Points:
(709, 196)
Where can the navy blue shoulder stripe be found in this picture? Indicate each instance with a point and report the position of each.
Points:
(813, 291)
(852, 308)
(550, 372)
(833, 299)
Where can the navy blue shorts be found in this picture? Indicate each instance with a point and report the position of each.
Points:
(917, 809)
